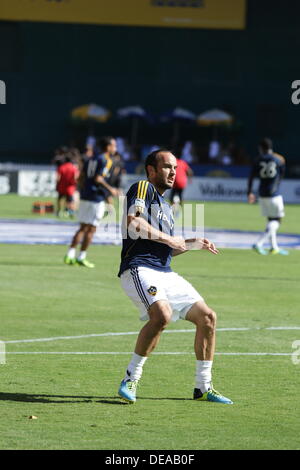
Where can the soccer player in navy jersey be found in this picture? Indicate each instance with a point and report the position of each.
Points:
(269, 168)
(160, 294)
(93, 190)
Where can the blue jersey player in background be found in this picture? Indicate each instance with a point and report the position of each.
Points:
(93, 190)
(146, 276)
(269, 168)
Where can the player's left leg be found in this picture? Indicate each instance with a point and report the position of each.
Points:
(60, 205)
(262, 240)
(160, 314)
(274, 226)
(204, 319)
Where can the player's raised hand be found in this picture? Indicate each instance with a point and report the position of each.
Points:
(210, 246)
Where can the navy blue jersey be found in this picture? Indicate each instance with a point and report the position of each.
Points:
(142, 199)
(98, 165)
(269, 168)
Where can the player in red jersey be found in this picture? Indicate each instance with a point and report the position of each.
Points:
(67, 175)
(183, 173)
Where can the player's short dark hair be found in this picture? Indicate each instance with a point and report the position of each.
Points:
(266, 144)
(104, 142)
(152, 158)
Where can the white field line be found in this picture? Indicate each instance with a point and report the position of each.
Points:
(96, 335)
(118, 353)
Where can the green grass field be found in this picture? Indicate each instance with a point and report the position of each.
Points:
(74, 396)
(226, 215)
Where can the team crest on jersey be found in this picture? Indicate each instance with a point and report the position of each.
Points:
(152, 290)
(139, 205)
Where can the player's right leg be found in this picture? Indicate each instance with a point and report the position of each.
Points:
(70, 257)
(159, 316)
(141, 286)
(87, 240)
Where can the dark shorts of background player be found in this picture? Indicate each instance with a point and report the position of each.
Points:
(176, 192)
(69, 197)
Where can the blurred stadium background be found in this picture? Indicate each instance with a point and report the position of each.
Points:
(235, 56)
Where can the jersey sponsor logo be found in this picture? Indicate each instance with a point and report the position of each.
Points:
(161, 216)
(152, 290)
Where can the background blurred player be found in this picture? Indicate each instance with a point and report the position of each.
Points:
(114, 180)
(67, 174)
(93, 187)
(183, 172)
(269, 168)
(146, 277)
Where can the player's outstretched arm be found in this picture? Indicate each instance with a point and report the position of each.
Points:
(138, 227)
(198, 244)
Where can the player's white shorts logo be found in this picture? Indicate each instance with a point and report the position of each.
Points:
(152, 290)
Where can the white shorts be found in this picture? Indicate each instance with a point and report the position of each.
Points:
(144, 286)
(91, 212)
(272, 207)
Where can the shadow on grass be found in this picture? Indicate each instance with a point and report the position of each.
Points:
(60, 399)
(39, 263)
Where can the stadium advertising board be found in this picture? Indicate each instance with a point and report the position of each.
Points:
(215, 14)
(43, 183)
(37, 183)
(235, 190)
(227, 189)
(8, 182)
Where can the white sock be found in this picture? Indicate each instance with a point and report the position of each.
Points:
(265, 237)
(135, 367)
(82, 255)
(71, 252)
(203, 375)
(274, 226)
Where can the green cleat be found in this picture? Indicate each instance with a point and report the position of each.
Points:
(69, 261)
(278, 252)
(211, 395)
(259, 250)
(85, 263)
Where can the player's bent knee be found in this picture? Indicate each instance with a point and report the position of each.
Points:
(160, 315)
(202, 315)
(210, 319)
